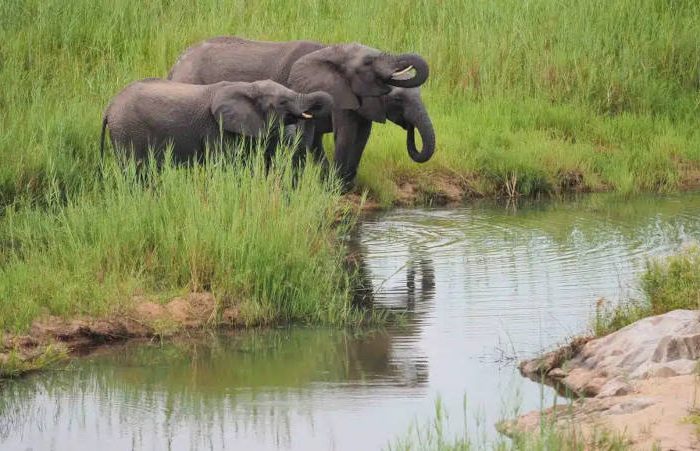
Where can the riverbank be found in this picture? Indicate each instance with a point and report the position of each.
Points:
(637, 378)
(92, 265)
(51, 339)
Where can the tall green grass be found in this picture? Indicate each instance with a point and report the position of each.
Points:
(667, 284)
(246, 235)
(560, 96)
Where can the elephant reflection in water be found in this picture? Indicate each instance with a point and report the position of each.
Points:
(421, 262)
(373, 354)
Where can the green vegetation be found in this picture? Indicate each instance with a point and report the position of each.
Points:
(15, 365)
(249, 238)
(435, 436)
(668, 284)
(532, 97)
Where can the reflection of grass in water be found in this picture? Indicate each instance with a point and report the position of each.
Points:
(667, 284)
(597, 215)
(14, 365)
(199, 385)
(257, 358)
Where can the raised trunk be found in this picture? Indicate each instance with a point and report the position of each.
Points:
(427, 134)
(405, 61)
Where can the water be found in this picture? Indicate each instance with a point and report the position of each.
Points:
(485, 286)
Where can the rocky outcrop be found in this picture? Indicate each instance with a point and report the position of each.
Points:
(639, 383)
(660, 346)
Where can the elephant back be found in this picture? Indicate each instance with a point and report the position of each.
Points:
(231, 58)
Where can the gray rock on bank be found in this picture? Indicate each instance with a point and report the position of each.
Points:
(659, 346)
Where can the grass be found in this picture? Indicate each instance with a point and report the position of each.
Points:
(249, 238)
(435, 435)
(667, 284)
(527, 97)
(14, 365)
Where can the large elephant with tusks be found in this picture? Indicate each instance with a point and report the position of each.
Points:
(367, 86)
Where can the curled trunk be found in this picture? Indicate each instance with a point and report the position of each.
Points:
(422, 122)
(406, 62)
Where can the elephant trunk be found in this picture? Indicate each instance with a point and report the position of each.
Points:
(404, 63)
(420, 120)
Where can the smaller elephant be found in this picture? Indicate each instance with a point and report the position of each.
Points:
(153, 113)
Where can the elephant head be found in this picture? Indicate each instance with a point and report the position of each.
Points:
(405, 108)
(351, 72)
(247, 108)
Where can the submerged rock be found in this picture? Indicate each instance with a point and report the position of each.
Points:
(660, 346)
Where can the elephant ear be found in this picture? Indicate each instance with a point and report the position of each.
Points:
(373, 108)
(319, 71)
(236, 111)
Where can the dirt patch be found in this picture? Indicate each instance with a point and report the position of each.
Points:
(438, 189)
(146, 319)
(655, 415)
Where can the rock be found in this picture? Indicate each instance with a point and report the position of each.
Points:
(557, 373)
(615, 387)
(631, 406)
(536, 368)
(666, 345)
(652, 416)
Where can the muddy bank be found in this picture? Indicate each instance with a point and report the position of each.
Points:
(145, 319)
(446, 188)
(640, 382)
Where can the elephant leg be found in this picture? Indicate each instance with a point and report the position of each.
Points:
(351, 132)
(319, 155)
(311, 141)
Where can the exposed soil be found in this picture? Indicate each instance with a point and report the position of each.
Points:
(146, 319)
(445, 188)
(654, 416)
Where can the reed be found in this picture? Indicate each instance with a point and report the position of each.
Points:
(247, 236)
(573, 96)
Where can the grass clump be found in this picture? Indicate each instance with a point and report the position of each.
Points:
(245, 235)
(668, 284)
(13, 364)
(434, 435)
(526, 98)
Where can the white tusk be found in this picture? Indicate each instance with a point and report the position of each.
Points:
(399, 75)
(306, 115)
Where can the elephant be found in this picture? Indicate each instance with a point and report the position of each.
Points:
(367, 86)
(153, 112)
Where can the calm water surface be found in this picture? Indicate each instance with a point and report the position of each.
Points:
(485, 285)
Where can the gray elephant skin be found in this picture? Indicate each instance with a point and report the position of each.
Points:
(367, 86)
(153, 113)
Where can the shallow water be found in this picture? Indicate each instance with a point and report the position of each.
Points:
(485, 285)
